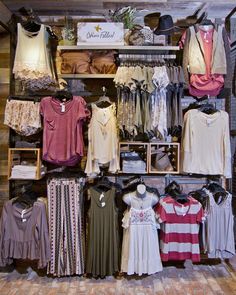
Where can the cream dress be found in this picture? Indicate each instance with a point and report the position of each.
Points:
(140, 248)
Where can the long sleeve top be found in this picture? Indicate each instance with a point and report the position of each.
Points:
(24, 234)
(206, 143)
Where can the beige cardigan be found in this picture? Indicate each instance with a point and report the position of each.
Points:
(196, 56)
(187, 59)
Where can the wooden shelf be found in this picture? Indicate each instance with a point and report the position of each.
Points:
(150, 149)
(14, 158)
(118, 47)
(87, 76)
(175, 154)
(137, 146)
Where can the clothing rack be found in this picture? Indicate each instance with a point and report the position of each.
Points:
(33, 98)
(146, 57)
(207, 100)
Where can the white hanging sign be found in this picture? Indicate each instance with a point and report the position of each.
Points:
(100, 33)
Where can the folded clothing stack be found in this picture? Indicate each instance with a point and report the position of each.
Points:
(132, 163)
(26, 171)
(26, 144)
(134, 166)
(88, 62)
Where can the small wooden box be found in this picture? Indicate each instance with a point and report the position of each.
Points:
(139, 148)
(32, 155)
(164, 158)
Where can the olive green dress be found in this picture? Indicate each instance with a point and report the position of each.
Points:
(103, 253)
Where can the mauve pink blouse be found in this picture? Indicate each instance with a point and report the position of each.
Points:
(62, 130)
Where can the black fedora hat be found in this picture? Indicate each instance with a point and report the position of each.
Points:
(166, 26)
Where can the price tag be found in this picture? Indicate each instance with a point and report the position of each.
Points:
(101, 197)
(63, 107)
(208, 122)
(22, 216)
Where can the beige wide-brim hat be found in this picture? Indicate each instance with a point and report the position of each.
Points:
(152, 20)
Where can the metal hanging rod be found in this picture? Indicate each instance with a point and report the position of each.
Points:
(146, 57)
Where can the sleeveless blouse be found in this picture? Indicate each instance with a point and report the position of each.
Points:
(219, 227)
(32, 60)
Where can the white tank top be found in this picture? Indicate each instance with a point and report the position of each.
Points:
(31, 58)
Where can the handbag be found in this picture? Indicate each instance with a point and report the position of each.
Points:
(161, 161)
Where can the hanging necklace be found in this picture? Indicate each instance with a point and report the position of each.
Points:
(100, 199)
(141, 205)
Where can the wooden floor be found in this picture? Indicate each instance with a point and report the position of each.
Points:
(203, 279)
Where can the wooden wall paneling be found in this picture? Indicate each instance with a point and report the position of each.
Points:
(5, 14)
(4, 130)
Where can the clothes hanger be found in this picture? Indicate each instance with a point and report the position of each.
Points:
(63, 95)
(214, 187)
(25, 98)
(173, 188)
(218, 192)
(23, 202)
(27, 199)
(200, 195)
(208, 108)
(206, 22)
(104, 185)
(181, 197)
(130, 185)
(133, 180)
(33, 24)
(105, 100)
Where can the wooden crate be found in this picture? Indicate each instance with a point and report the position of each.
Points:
(170, 150)
(139, 147)
(33, 155)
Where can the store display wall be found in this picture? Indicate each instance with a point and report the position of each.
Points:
(4, 131)
(193, 183)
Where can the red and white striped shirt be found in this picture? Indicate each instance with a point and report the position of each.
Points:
(179, 228)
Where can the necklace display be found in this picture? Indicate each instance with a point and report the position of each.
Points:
(141, 201)
(141, 193)
(100, 199)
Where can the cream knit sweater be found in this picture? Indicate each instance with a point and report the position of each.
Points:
(206, 143)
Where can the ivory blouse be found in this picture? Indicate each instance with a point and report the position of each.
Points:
(103, 140)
